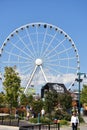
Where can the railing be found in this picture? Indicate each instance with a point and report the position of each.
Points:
(24, 125)
(9, 120)
(41, 127)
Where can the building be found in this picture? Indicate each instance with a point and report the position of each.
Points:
(58, 87)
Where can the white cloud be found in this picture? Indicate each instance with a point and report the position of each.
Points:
(38, 78)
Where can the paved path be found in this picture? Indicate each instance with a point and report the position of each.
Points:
(82, 127)
(2, 127)
(85, 118)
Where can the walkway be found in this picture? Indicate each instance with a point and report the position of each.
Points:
(2, 127)
(82, 127)
(85, 118)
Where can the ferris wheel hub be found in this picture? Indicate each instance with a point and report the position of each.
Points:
(38, 62)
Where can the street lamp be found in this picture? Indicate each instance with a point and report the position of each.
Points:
(79, 80)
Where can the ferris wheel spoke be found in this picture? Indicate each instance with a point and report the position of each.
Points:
(37, 43)
(29, 38)
(26, 70)
(44, 40)
(14, 62)
(49, 44)
(21, 50)
(61, 66)
(69, 58)
(49, 59)
(54, 48)
(28, 65)
(52, 60)
(65, 50)
(54, 70)
(16, 55)
(43, 43)
(58, 53)
(25, 45)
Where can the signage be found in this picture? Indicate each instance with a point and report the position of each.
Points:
(58, 88)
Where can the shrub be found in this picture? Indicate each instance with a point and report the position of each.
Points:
(42, 120)
(81, 120)
(66, 116)
(64, 122)
(61, 115)
(33, 120)
(45, 120)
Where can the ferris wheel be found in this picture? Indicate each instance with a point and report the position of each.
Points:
(40, 53)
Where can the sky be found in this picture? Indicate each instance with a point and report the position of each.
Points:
(69, 15)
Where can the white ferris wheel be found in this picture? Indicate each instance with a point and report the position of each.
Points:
(41, 53)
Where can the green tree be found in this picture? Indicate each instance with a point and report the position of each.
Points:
(11, 86)
(2, 99)
(50, 101)
(65, 101)
(26, 100)
(54, 101)
(83, 96)
(37, 106)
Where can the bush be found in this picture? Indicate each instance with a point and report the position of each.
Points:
(33, 120)
(66, 116)
(81, 120)
(42, 120)
(61, 115)
(64, 122)
(45, 120)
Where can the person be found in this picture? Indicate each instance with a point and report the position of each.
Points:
(28, 114)
(42, 112)
(82, 110)
(16, 113)
(74, 121)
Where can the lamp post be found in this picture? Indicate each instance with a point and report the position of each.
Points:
(79, 80)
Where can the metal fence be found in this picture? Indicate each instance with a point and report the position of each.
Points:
(8, 120)
(41, 127)
(24, 125)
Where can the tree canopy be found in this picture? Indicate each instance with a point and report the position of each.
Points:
(56, 100)
(11, 86)
(84, 95)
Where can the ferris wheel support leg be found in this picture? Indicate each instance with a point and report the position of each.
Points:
(30, 79)
(43, 73)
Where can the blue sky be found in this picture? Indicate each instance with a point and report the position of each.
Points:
(69, 15)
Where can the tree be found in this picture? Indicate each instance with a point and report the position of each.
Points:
(50, 101)
(37, 106)
(57, 102)
(2, 99)
(11, 86)
(83, 97)
(65, 101)
(26, 100)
